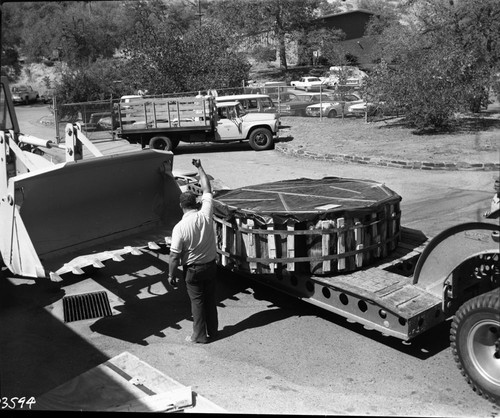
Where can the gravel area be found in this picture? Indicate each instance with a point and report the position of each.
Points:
(474, 141)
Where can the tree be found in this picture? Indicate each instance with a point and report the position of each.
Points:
(445, 56)
(284, 19)
(101, 80)
(164, 58)
(330, 7)
(385, 15)
(11, 67)
(327, 41)
(77, 32)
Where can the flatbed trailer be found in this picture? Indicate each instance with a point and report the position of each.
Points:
(417, 284)
(381, 297)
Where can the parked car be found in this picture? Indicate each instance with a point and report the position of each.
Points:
(125, 100)
(295, 104)
(99, 121)
(107, 123)
(289, 96)
(379, 108)
(274, 89)
(24, 94)
(316, 72)
(47, 97)
(335, 107)
(349, 76)
(358, 109)
(307, 84)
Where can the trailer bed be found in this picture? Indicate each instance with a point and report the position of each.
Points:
(381, 297)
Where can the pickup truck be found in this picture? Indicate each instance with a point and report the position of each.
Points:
(162, 123)
(24, 94)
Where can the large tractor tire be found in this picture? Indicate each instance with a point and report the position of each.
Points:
(163, 143)
(261, 139)
(475, 343)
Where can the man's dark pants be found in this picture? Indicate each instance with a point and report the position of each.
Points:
(200, 285)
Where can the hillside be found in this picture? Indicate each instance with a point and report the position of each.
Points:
(36, 75)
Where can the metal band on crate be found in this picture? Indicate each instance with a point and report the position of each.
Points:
(305, 231)
(316, 258)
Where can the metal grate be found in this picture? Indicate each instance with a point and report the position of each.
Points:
(86, 306)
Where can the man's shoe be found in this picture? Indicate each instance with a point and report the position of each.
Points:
(214, 336)
(190, 340)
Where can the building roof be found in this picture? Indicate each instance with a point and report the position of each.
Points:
(362, 48)
(345, 13)
(352, 23)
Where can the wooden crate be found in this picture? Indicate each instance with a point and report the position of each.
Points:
(320, 242)
(348, 243)
(327, 246)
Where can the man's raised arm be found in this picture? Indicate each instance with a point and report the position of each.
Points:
(206, 187)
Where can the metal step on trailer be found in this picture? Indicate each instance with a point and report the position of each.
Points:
(382, 300)
(381, 297)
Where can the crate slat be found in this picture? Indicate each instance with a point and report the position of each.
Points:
(341, 244)
(358, 237)
(271, 247)
(251, 249)
(290, 247)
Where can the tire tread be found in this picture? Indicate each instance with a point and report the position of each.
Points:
(489, 300)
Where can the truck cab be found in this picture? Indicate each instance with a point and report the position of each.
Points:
(235, 123)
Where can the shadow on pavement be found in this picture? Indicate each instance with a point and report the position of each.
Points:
(422, 347)
(257, 320)
(140, 318)
(200, 148)
(39, 352)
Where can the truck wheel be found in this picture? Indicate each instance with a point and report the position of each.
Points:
(475, 343)
(163, 143)
(261, 139)
(332, 113)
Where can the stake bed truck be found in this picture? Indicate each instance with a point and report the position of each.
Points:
(162, 123)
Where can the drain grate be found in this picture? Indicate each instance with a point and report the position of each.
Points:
(86, 306)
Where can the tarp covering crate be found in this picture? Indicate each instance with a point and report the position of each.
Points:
(317, 226)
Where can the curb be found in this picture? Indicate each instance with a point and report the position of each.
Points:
(385, 162)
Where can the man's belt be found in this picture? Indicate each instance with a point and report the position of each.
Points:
(200, 264)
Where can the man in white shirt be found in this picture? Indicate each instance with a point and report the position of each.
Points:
(494, 211)
(193, 246)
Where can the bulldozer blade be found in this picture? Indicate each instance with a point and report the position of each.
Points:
(70, 215)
